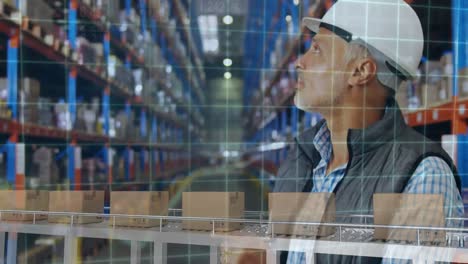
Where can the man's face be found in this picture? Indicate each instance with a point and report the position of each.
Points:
(322, 73)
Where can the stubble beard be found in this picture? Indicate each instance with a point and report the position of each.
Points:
(323, 105)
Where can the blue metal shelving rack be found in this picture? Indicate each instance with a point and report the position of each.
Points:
(73, 148)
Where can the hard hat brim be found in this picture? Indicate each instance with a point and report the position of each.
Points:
(313, 24)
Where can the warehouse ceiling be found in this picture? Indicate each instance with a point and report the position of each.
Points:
(435, 17)
(230, 37)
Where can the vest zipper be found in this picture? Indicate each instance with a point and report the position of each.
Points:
(350, 154)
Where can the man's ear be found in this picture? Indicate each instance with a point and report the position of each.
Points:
(363, 72)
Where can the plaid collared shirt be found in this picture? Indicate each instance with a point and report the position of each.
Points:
(432, 176)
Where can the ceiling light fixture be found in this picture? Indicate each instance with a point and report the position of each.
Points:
(227, 62)
(228, 20)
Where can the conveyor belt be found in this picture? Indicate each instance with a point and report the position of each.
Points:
(350, 240)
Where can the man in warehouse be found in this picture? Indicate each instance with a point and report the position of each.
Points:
(361, 52)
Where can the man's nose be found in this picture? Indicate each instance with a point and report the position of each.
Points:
(298, 64)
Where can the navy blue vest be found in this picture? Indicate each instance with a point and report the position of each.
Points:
(383, 157)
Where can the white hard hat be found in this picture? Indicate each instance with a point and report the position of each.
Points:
(390, 29)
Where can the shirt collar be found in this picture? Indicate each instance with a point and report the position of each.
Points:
(361, 140)
(322, 142)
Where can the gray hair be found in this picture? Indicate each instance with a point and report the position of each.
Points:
(356, 51)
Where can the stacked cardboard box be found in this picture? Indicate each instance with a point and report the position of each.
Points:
(46, 169)
(172, 28)
(163, 8)
(110, 9)
(138, 79)
(152, 54)
(431, 76)
(87, 53)
(144, 44)
(62, 115)
(45, 114)
(29, 96)
(302, 207)
(212, 205)
(124, 76)
(446, 90)
(80, 124)
(139, 203)
(76, 202)
(121, 124)
(130, 27)
(463, 82)
(436, 85)
(125, 126)
(432, 88)
(99, 49)
(112, 66)
(4, 110)
(176, 86)
(24, 201)
(39, 12)
(150, 91)
(119, 72)
(90, 117)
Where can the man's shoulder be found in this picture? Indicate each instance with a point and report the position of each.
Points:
(433, 164)
(413, 141)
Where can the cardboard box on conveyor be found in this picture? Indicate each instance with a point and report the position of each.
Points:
(417, 210)
(212, 205)
(139, 203)
(76, 202)
(24, 200)
(302, 207)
